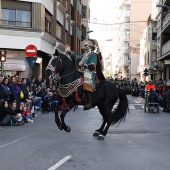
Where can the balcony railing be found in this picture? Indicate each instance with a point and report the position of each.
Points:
(126, 38)
(166, 21)
(165, 48)
(15, 23)
(126, 13)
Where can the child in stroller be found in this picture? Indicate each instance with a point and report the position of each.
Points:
(50, 102)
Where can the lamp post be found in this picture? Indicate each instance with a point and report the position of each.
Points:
(161, 5)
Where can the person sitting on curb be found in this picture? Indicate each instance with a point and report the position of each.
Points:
(6, 115)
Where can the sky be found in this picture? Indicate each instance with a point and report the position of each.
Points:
(102, 12)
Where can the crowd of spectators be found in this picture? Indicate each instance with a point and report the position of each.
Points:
(21, 97)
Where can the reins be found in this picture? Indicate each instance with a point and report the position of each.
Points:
(69, 73)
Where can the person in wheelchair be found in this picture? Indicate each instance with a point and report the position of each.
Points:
(150, 91)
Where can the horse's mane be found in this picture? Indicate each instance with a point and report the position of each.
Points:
(66, 59)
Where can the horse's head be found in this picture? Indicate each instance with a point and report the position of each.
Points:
(54, 66)
(57, 64)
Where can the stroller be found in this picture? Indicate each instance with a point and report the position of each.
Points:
(50, 101)
(151, 102)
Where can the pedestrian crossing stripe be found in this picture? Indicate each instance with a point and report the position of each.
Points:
(132, 106)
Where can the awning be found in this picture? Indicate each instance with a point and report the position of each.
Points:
(15, 65)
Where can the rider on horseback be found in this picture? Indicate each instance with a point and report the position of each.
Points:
(88, 62)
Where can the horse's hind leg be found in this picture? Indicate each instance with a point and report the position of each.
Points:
(100, 130)
(63, 125)
(108, 113)
(103, 134)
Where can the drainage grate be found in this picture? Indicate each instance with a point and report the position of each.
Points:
(131, 132)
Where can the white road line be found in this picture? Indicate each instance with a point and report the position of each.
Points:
(2, 146)
(131, 107)
(58, 164)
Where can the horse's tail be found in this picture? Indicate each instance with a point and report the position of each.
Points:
(119, 114)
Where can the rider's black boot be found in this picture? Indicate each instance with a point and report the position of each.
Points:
(89, 104)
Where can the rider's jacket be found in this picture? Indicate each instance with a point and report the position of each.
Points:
(89, 68)
(148, 87)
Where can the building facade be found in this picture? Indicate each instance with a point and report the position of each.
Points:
(124, 39)
(47, 24)
(140, 12)
(163, 36)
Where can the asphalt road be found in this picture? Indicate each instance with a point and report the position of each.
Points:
(142, 142)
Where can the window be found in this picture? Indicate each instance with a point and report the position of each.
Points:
(47, 23)
(84, 11)
(59, 30)
(16, 17)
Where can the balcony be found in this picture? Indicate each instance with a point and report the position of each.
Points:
(126, 51)
(166, 21)
(124, 63)
(166, 49)
(15, 23)
(71, 2)
(126, 26)
(126, 38)
(126, 13)
(61, 7)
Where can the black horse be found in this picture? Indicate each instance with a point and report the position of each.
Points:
(71, 91)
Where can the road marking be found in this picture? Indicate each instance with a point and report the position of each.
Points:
(131, 107)
(2, 146)
(58, 164)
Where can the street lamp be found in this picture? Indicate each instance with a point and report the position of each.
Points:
(3, 58)
(155, 63)
(89, 31)
(161, 5)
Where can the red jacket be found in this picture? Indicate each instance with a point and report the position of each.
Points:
(150, 86)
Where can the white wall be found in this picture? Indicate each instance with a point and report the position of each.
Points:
(19, 42)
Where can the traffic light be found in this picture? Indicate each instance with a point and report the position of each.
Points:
(3, 57)
(145, 72)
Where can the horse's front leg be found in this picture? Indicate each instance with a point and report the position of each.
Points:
(57, 119)
(63, 124)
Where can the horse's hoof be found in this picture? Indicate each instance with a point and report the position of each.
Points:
(60, 127)
(100, 137)
(96, 133)
(68, 129)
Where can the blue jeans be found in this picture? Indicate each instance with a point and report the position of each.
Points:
(37, 101)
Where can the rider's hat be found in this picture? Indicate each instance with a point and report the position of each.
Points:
(89, 43)
(56, 52)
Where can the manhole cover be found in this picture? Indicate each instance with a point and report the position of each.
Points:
(131, 132)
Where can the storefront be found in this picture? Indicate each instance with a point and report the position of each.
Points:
(14, 66)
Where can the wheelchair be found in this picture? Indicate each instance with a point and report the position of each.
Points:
(151, 103)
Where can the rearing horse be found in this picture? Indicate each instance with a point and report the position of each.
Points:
(71, 91)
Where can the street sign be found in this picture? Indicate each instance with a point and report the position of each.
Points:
(31, 50)
(31, 61)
